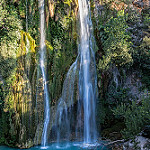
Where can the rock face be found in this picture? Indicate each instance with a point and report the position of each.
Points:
(146, 131)
(141, 4)
(24, 109)
(133, 82)
(127, 80)
(140, 143)
(38, 134)
(20, 101)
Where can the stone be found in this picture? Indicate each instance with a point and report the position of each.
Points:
(146, 131)
(139, 142)
(138, 4)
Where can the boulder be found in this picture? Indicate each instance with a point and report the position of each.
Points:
(146, 131)
(140, 143)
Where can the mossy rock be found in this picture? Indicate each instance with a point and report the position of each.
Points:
(114, 132)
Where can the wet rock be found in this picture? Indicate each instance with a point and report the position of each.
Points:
(113, 133)
(29, 144)
(38, 134)
(140, 143)
(138, 3)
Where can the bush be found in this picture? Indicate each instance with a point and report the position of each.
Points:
(136, 116)
(116, 42)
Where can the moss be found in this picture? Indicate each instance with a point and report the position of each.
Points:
(25, 38)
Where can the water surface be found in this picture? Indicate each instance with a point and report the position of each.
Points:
(64, 146)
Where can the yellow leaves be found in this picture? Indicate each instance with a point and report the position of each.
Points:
(146, 42)
(32, 42)
(58, 54)
(49, 47)
(65, 21)
(68, 2)
(75, 35)
(120, 13)
(27, 44)
(48, 44)
(104, 63)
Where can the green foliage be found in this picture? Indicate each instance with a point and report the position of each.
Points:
(10, 27)
(145, 61)
(49, 47)
(61, 47)
(9, 38)
(3, 128)
(115, 47)
(117, 96)
(146, 18)
(68, 2)
(141, 59)
(116, 42)
(13, 42)
(26, 41)
(135, 116)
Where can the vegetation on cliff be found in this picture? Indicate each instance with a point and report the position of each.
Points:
(122, 36)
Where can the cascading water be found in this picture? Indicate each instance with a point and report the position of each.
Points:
(87, 85)
(65, 104)
(87, 73)
(42, 65)
(115, 77)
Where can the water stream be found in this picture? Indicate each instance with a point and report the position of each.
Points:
(42, 65)
(87, 86)
(87, 73)
(85, 67)
(65, 105)
(63, 146)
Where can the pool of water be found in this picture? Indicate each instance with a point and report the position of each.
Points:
(65, 146)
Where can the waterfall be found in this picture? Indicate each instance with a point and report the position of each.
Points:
(115, 77)
(87, 85)
(87, 73)
(65, 104)
(26, 15)
(42, 65)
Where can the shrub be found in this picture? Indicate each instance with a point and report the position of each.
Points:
(136, 116)
(116, 42)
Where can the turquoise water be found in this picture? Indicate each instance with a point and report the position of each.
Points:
(64, 146)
